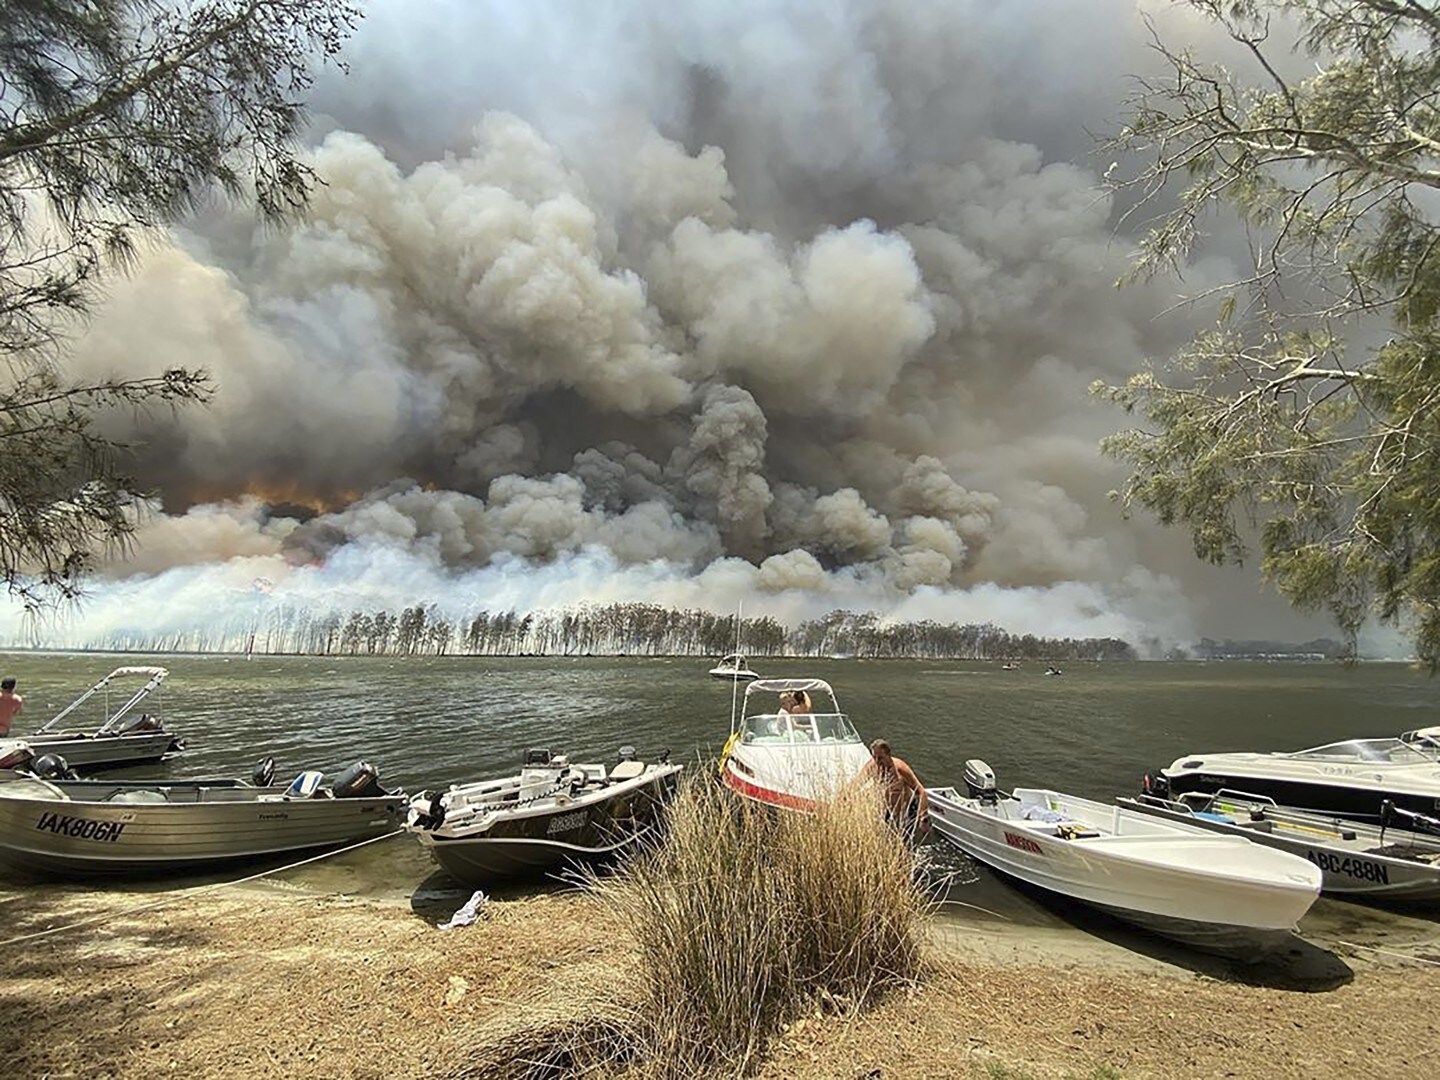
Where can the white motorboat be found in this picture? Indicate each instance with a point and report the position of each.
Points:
(1391, 861)
(124, 737)
(1349, 779)
(80, 827)
(732, 667)
(1218, 893)
(790, 760)
(550, 816)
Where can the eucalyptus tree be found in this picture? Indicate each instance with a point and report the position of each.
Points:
(116, 118)
(1305, 420)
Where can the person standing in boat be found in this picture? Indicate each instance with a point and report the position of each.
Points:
(796, 705)
(11, 705)
(907, 806)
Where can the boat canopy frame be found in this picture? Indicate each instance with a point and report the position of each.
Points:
(780, 686)
(154, 677)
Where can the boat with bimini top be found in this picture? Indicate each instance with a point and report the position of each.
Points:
(126, 736)
(549, 816)
(59, 826)
(1221, 894)
(732, 667)
(786, 756)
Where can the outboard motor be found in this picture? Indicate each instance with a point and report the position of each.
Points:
(53, 767)
(17, 757)
(980, 781)
(428, 815)
(537, 755)
(1156, 784)
(263, 775)
(359, 781)
(142, 723)
(627, 753)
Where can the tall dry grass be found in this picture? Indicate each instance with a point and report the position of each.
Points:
(745, 917)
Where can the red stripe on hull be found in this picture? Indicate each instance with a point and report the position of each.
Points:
(741, 786)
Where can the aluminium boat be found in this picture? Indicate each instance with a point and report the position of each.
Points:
(1221, 894)
(790, 760)
(80, 827)
(733, 667)
(549, 817)
(127, 736)
(1349, 779)
(1391, 861)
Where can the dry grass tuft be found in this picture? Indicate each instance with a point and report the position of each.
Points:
(745, 918)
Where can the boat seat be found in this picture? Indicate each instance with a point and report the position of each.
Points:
(142, 796)
(627, 770)
(306, 785)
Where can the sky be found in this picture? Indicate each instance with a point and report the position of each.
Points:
(789, 304)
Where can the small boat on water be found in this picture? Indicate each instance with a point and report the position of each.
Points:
(732, 667)
(79, 827)
(1053, 670)
(1349, 779)
(125, 737)
(1010, 665)
(1390, 861)
(787, 759)
(549, 816)
(1221, 894)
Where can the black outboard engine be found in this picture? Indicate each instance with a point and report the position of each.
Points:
(538, 755)
(359, 781)
(142, 723)
(263, 775)
(1156, 784)
(53, 767)
(980, 781)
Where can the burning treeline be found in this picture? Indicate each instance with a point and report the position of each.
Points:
(613, 630)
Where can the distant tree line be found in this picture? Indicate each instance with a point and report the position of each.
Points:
(610, 630)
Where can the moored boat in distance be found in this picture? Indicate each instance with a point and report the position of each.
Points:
(550, 816)
(1221, 894)
(1387, 862)
(79, 827)
(1348, 779)
(732, 667)
(125, 737)
(790, 760)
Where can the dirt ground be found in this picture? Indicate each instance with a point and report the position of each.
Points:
(289, 984)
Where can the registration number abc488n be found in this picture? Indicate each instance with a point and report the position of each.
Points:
(1361, 869)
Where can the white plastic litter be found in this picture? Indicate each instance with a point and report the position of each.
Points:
(467, 914)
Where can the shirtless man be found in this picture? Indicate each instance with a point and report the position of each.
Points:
(907, 806)
(11, 705)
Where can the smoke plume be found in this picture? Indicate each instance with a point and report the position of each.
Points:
(779, 301)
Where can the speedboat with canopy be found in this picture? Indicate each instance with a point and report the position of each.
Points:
(1221, 894)
(126, 736)
(550, 816)
(58, 826)
(1349, 779)
(790, 760)
(733, 667)
(1394, 861)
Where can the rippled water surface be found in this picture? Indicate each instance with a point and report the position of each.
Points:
(425, 722)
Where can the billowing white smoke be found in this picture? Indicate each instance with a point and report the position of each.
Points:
(690, 303)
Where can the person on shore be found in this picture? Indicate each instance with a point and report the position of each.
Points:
(11, 705)
(907, 806)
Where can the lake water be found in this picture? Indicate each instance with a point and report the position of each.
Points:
(425, 722)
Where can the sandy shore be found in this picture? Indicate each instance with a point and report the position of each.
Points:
(292, 982)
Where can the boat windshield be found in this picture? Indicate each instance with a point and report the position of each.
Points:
(1379, 751)
(776, 729)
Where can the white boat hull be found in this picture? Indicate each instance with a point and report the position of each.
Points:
(1178, 881)
(792, 777)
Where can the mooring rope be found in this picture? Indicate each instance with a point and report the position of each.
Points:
(185, 894)
(1390, 952)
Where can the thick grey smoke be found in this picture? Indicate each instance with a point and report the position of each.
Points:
(770, 297)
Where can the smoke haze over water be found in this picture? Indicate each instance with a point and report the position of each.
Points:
(794, 303)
